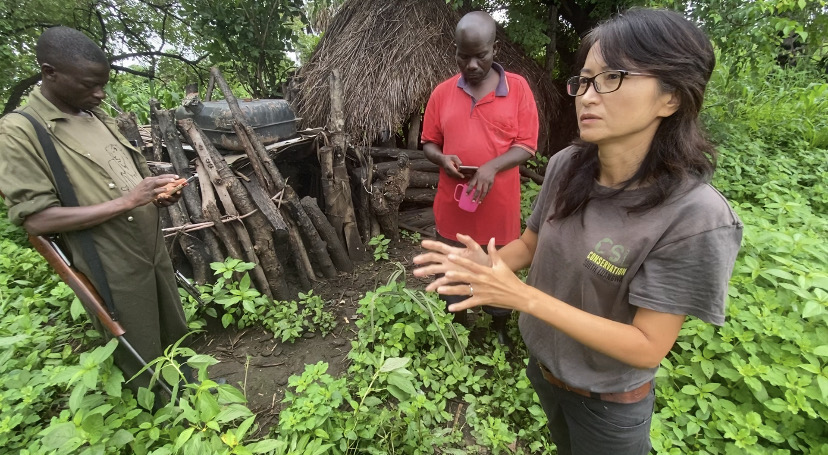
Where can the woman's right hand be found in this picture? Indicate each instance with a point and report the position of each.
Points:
(435, 260)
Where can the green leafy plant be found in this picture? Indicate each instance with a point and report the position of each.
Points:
(238, 303)
(413, 237)
(380, 244)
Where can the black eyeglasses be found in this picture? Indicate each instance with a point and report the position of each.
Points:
(603, 82)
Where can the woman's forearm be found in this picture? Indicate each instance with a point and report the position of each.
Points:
(642, 344)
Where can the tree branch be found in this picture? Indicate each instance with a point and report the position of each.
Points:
(17, 91)
(159, 54)
(148, 75)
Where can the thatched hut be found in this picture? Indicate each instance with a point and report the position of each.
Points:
(390, 56)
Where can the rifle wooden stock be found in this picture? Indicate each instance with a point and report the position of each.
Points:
(86, 292)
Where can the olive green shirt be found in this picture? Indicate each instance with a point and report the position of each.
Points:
(130, 245)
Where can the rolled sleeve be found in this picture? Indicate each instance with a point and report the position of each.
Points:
(689, 276)
(24, 177)
(432, 129)
(527, 136)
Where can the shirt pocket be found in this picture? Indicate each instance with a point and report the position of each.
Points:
(502, 127)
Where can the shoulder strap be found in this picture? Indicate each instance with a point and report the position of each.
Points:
(66, 194)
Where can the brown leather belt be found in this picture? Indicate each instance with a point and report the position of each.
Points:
(632, 396)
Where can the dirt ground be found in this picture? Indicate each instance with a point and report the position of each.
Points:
(260, 365)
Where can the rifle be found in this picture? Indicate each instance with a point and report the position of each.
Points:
(87, 295)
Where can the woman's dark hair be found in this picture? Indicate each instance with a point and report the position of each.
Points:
(665, 44)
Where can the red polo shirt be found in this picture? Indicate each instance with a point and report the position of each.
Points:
(478, 131)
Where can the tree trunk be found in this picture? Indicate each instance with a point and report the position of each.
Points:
(552, 33)
(420, 195)
(424, 166)
(18, 90)
(532, 175)
(388, 192)
(420, 179)
(301, 261)
(335, 178)
(335, 248)
(412, 142)
(158, 168)
(360, 177)
(128, 125)
(157, 136)
(387, 153)
(255, 162)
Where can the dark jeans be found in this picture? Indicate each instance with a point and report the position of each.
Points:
(451, 299)
(586, 426)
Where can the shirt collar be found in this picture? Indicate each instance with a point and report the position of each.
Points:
(50, 112)
(502, 88)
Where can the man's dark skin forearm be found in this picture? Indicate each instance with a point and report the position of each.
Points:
(65, 219)
(483, 179)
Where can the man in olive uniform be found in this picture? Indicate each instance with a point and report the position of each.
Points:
(117, 195)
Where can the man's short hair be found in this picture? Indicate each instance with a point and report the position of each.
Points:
(479, 23)
(61, 46)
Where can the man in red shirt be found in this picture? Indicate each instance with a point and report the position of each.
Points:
(484, 117)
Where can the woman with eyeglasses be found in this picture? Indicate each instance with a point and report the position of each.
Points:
(627, 237)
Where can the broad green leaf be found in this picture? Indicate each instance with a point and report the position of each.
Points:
(265, 446)
(392, 363)
(76, 398)
(242, 430)
(207, 406)
(230, 394)
(812, 308)
(822, 381)
(146, 398)
(76, 309)
(202, 361)
(183, 438)
(402, 382)
(102, 353)
(57, 436)
(121, 438)
(232, 412)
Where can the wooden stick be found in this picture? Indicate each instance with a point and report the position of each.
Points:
(190, 193)
(192, 249)
(211, 212)
(292, 204)
(232, 193)
(335, 248)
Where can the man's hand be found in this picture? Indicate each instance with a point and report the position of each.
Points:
(451, 164)
(150, 189)
(171, 194)
(482, 181)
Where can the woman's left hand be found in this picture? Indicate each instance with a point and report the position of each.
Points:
(495, 286)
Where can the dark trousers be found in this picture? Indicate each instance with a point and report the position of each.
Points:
(586, 426)
(452, 299)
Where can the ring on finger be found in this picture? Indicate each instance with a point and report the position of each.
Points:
(471, 290)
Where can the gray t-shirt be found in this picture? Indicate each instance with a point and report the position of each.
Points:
(676, 258)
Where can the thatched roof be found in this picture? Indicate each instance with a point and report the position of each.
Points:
(391, 55)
